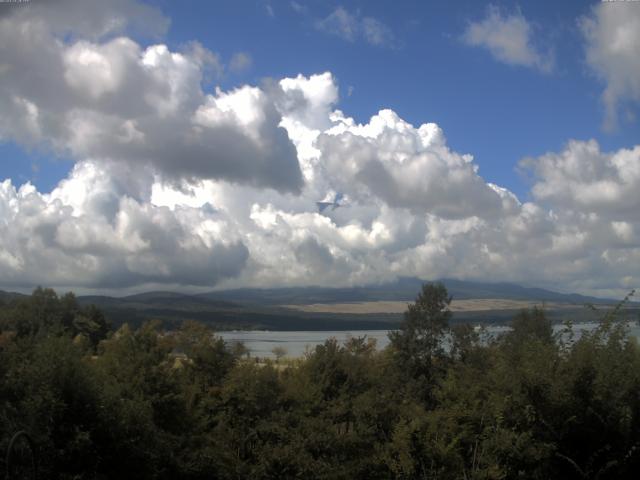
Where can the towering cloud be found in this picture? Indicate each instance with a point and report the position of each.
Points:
(179, 187)
(116, 100)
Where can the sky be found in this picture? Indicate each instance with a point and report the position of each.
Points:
(184, 145)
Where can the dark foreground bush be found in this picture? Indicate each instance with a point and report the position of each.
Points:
(151, 404)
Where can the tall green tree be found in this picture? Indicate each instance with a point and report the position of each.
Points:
(418, 345)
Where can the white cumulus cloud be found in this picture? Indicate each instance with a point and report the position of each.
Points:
(612, 34)
(584, 178)
(509, 39)
(90, 233)
(116, 100)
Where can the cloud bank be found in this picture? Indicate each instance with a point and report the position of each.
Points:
(178, 187)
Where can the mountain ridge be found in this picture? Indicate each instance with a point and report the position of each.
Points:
(405, 288)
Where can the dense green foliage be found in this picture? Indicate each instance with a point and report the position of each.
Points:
(437, 403)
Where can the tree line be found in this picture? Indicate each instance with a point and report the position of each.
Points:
(439, 402)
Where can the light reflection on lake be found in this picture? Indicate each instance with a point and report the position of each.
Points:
(261, 343)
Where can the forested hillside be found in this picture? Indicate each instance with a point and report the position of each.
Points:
(147, 403)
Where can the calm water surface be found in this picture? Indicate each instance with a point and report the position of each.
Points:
(261, 343)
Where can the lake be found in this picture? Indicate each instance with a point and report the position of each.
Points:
(261, 343)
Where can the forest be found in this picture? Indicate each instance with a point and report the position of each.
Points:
(440, 402)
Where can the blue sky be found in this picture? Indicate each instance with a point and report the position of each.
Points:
(185, 145)
(497, 112)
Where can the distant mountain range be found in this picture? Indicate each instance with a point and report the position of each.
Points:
(402, 289)
(253, 308)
